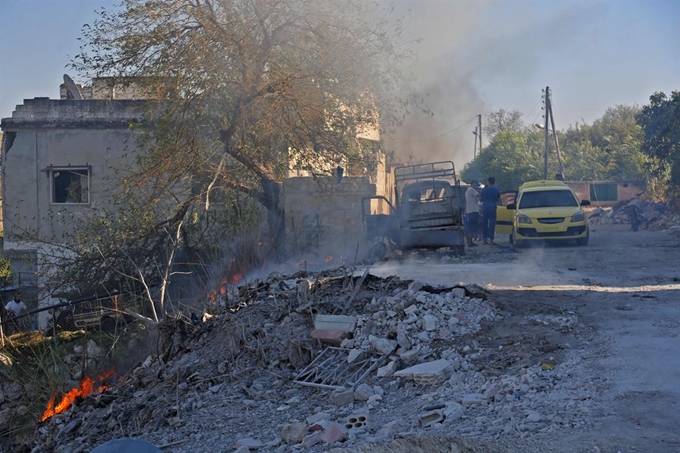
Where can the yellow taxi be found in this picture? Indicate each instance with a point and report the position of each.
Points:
(543, 211)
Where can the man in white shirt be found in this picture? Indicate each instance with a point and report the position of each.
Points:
(471, 212)
(16, 306)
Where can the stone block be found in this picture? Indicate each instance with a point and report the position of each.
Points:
(411, 355)
(343, 398)
(428, 373)
(387, 370)
(363, 392)
(430, 418)
(332, 337)
(453, 411)
(473, 399)
(382, 345)
(293, 433)
(353, 355)
(430, 323)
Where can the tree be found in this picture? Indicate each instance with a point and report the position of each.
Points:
(503, 121)
(509, 159)
(245, 87)
(660, 121)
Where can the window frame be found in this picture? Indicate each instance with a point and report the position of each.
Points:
(85, 192)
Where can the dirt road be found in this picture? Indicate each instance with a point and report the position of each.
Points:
(625, 288)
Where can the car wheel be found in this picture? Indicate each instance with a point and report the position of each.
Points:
(517, 243)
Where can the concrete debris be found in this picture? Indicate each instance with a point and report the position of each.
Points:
(430, 418)
(335, 322)
(406, 347)
(249, 443)
(428, 373)
(293, 433)
(343, 398)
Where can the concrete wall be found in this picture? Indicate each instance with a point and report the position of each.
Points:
(324, 218)
(624, 191)
(582, 189)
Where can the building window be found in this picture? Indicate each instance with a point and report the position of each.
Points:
(70, 185)
(604, 192)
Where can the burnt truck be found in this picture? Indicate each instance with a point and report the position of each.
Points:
(426, 210)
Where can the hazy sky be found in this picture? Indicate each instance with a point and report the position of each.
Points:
(475, 56)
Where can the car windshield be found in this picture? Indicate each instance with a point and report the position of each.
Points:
(547, 199)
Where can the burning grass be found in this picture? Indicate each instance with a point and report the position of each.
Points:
(87, 387)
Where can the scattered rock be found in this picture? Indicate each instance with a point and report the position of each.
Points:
(294, 433)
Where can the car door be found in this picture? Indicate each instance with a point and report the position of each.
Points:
(505, 216)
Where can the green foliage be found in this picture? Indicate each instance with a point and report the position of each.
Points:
(5, 272)
(607, 150)
(509, 158)
(660, 121)
(503, 121)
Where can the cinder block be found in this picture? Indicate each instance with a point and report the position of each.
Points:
(357, 422)
(430, 418)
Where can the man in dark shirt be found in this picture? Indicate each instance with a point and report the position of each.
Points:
(490, 197)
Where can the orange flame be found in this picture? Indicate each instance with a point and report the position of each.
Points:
(328, 259)
(86, 387)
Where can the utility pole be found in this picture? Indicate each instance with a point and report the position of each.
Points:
(474, 155)
(552, 122)
(546, 100)
(479, 131)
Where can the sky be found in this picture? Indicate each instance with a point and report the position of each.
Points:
(474, 56)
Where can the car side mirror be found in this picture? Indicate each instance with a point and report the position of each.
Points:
(585, 202)
(511, 206)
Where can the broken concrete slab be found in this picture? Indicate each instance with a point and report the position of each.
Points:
(353, 355)
(428, 373)
(363, 392)
(387, 370)
(343, 398)
(382, 345)
(335, 322)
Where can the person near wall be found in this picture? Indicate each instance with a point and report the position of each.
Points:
(471, 212)
(490, 196)
(16, 305)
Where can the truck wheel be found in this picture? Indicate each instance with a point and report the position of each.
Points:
(108, 324)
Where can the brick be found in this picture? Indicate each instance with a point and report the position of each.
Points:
(334, 433)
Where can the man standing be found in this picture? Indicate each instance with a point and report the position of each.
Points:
(490, 197)
(471, 212)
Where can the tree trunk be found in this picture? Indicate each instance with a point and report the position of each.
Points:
(275, 216)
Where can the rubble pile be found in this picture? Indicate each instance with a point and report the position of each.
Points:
(657, 215)
(310, 361)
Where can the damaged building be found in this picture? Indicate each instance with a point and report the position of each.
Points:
(60, 155)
